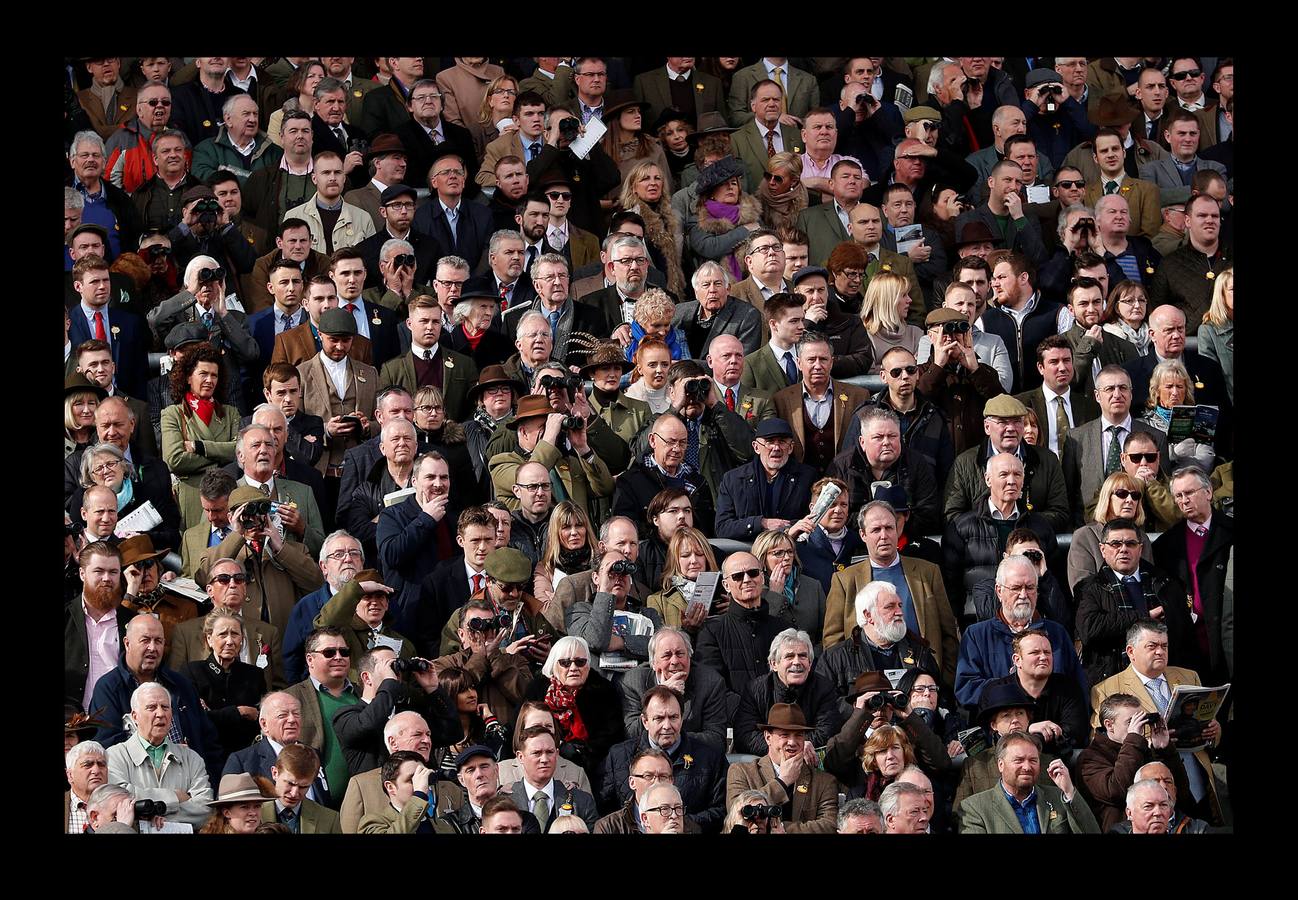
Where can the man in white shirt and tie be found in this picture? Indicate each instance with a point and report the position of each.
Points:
(767, 105)
(545, 797)
(591, 77)
(726, 360)
(1056, 368)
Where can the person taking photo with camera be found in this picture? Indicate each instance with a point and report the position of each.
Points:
(488, 651)
(360, 611)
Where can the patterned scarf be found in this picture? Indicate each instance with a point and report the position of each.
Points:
(1138, 336)
(200, 407)
(562, 701)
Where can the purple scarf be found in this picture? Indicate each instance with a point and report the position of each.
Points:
(730, 212)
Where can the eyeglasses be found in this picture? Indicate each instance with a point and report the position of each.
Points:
(1134, 301)
(652, 777)
(1035, 555)
(331, 652)
(226, 578)
(896, 372)
(105, 468)
(853, 274)
(576, 662)
(340, 555)
(158, 101)
(145, 564)
(1186, 495)
(1143, 457)
(739, 577)
(451, 283)
(1116, 545)
(924, 689)
(498, 390)
(776, 442)
(631, 261)
(1112, 388)
(401, 206)
(781, 554)
(458, 173)
(1188, 73)
(559, 195)
(556, 278)
(1123, 494)
(428, 408)
(591, 75)
(683, 442)
(668, 811)
(537, 488)
(1078, 184)
(424, 98)
(767, 249)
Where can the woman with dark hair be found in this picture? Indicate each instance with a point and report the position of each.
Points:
(477, 721)
(198, 432)
(723, 67)
(536, 713)
(846, 264)
(1126, 314)
(628, 144)
(938, 209)
(723, 212)
(302, 86)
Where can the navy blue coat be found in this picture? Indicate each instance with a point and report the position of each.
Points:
(701, 781)
(301, 622)
(743, 500)
(986, 653)
(472, 230)
(407, 554)
(819, 560)
(112, 700)
(130, 345)
(257, 760)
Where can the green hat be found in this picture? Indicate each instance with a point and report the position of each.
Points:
(337, 322)
(244, 493)
(920, 114)
(509, 566)
(942, 315)
(1005, 406)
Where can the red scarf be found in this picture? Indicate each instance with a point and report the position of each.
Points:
(202, 408)
(470, 338)
(563, 703)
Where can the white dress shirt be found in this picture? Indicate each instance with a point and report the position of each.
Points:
(338, 373)
(1050, 416)
(1106, 435)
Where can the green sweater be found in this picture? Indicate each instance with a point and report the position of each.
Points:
(335, 764)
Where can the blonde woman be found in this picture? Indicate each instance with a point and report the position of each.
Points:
(627, 143)
(782, 193)
(570, 545)
(883, 313)
(689, 555)
(1121, 496)
(497, 105)
(644, 191)
(1217, 333)
(802, 599)
(1170, 386)
(651, 317)
(80, 401)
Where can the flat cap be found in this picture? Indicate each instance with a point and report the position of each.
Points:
(245, 493)
(943, 314)
(774, 428)
(471, 752)
(337, 322)
(509, 566)
(1038, 77)
(186, 333)
(921, 114)
(808, 271)
(393, 191)
(1004, 405)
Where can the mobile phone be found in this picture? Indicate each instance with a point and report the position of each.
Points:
(353, 421)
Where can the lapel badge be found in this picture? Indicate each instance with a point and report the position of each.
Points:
(910, 659)
(839, 566)
(842, 397)
(450, 363)
(1198, 385)
(1053, 815)
(886, 267)
(207, 123)
(697, 87)
(689, 760)
(376, 320)
(123, 106)
(356, 93)
(1149, 270)
(801, 789)
(116, 330)
(360, 378)
(1211, 275)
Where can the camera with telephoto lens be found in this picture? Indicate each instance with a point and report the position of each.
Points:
(696, 390)
(207, 210)
(358, 145)
(960, 327)
(568, 128)
(254, 512)
(493, 624)
(895, 699)
(622, 567)
(755, 811)
(404, 666)
(71, 529)
(1084, 224)
(149, 809)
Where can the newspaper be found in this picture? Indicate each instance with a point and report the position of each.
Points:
(1196, 422)
(1190, 709)
(187, 587)
(146, 827)
(705, 589)
(626, 624)
(144, 518)
(909, 237)
(974, 740)
(396, 497)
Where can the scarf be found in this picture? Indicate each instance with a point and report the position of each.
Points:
(874, 785)
(575, 560)
(781, 208)
(728, 212)
(1160, 417)
(471, 339)
(1138, 336)
(680, 479)
(673, 342)
(790, 588)
(562, 701)
(660, 230)
(125, 494)
(200, 407)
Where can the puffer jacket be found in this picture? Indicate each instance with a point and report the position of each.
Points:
(925, 430)
(130, 156)
(738, 643)
(846, 660)
(971, 548)
(218, 153)
(816, 698)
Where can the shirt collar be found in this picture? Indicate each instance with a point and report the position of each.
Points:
(348, 687)
(672, 73)
(252, 482)
(112, 613)
(418, 351)
(1029, 802)
(896, 561)
(1200, 529)
(244, 82)
(829, 392)
(1051, 395)
(1147, 681)
(1125, 424)
(996, 513)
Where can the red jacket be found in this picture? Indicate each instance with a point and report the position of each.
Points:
(132, 153)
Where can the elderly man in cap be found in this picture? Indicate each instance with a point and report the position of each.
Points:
(953, 377)
(989, 347)
(360, 610)
(1019, 803)
(769, 492)
(808, 798)
(1055, 125)
(281, 569)
(1044, 487)
(479, 774)
(153, 765)
(522, 626)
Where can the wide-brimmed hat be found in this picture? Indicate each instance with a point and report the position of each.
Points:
(867, 682)
(238, 788)
(530, 407)
(975, 231)
(375, 576)
(786, 717)
(384, 144)
(669, 114)
(492, 376)
(76, 383)
(710, 123)
(606, 354)
(717, 174)
(1113, 111)
(616, 101)
(137, 549)
(82, 725)
(996, 697)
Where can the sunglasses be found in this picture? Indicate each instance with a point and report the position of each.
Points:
(331, 652)
(909, 370)
(1119, 544)
(1188, 73)
(559, 195)
(928, 126)
(578, 661)
(739, 577)
(226, 578)
(1123, 494)
(157, 101)
(145, 565)
(1078, 184)
(1142, 458)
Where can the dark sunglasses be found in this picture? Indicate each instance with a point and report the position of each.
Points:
(331, 652)
(773, 178)
(1188, 73)
(1078, 184)
(1035, 555)
(738, 577)
(158, 101)
(559, 195)
(929, 126)
(1123, 494)
(909, 370)
(1142, 457)
(578, 661)
(226, 578)
(145, 565)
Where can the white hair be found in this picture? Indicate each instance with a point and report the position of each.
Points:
(105, 797)
(395, 244)
(1145, 785)
(72, 199)
(149, 687)
(890, 799)
(267, 408)
(658, 787)
(790, 636)
(198, 262)
(868, 599)
(394, 423)
(987, 470)
(1109, 200)
(333, 536)
(706, 269)
(1022, 563)
(937, 75)
(527, 317)
(86, 137)
(399, 723)
(81, 750)
(561, 646)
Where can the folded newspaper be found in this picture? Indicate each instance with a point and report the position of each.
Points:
(1191, 708)
(143, 518)
(187, 587)
(626, 624)
(396, 497)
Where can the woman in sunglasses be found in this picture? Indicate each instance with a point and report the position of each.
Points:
(106, 465)
(802, 599)
(229, 688)
(1121, 495)
(587, 706)
(782, 193)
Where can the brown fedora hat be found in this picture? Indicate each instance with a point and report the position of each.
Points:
(384, 144)
(139, 548)
(76, 383)
(1112, 111)
(492, 376)
(710, 123)
(867, 682)
(606, 354)
(531, 406)
(786, 717)
(616, 101)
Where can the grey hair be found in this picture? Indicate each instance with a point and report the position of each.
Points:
(869, 507)
(987, 469)
(243, 432)
(458, 263)
(1144, 785)
(527, 317)
(1063, 215)
(87, 461)
(560, 647)
(87, 137)
(222, 561)
(867, 599)
(395, 244)
(1150, 625)
(552, 259)
(228, 106)
(627, 240)
(398, 723)
(860, 808)
(742, 799)
(790, 636)
(199, 262)
(173, 133)
(138, 695)
(1020, 736)
(500, 237)
(937, 75)
(328, 85)
(267, 408)
(1192, 472)
(72, 199)
(604, 529)
(706, 269)
(395, 423)
(812, 338)
(656, 638)
(333, 536)
(657, 786)
(1002, 113)
(1109, 200)
(81, 750)
(1014, 562)
(106, 796)
(890, 799)
(873, 413)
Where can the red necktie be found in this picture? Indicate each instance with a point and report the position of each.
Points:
(730, 399)
(504, 297)
(351, 308)
(100, 335)
(477, 584)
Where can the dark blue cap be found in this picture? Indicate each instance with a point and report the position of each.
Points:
(471, 752)
(774, 428)
(893, 494)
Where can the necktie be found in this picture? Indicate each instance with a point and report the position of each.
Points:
(504, 297)
(692, 448)
(779, 79)
(289, 818)
(730, 399)
(790, 370)
(428, 355)
(679, 78)
(207, 321)
(1158, 689)
(541, 808)
(1149, 129)
(557, 239)
(533, 150)
(264, 488)
(218, 535)
(1135, 596)
(477, 584)
(1061, 424)
(100, 334)
(351, 308)
(340, 134)
(452, 215)
(770, 143)
(531, 258)
(287, 321)
(554, 326)
(1113, 461)
(1110, 187)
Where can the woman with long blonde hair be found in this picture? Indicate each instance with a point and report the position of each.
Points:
(883, 313)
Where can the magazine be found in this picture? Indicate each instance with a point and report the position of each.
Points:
(1196, 422)
(909, 236)
(144, 518)
(705, 588)
(1190, 709)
